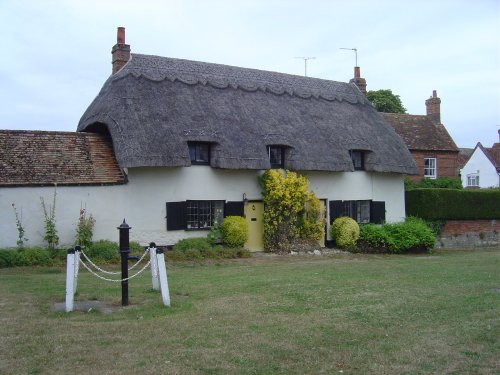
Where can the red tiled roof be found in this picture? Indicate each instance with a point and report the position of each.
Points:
(420, 133)
(463, 156)
(38, 158)
(494, 155)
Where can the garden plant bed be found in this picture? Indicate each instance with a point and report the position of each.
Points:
(341, 313)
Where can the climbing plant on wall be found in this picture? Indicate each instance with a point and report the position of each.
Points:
(291, 211)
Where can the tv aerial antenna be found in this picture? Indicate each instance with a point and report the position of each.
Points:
(355, 53)
(305, 58)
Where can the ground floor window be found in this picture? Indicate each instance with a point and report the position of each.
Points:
(204, 214)
(358, 210)
(363, 211)
(473, 180)
(200, 214)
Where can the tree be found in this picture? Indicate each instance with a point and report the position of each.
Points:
(386, 101)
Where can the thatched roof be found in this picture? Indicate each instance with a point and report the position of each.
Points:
(154, 105)
(41, 158)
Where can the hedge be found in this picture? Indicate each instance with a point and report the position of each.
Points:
(451, 204)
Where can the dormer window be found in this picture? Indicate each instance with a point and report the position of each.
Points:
(358, 160)
(276, 156)
(199, 153)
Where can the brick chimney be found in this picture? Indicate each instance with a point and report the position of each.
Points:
(433, 105)
(358, 81)
(120, 53)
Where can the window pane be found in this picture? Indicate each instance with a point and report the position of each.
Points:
(204, 214)
(363, 212)
(202, 154)
(275, 156)
(192, 152)
(357, 159)
(199, 153)
(430, 167)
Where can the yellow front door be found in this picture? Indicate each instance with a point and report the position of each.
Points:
(254, 214)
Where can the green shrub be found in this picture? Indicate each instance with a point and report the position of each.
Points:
(9, 258)
(34, 256)
(411, 235)
(345, 231)
(217, 252)
(436, 226)
(452, 204)
(234, 231)
(198, 243)
(209, 253)
(214, 236)
(104, 250)
(193, 254)
(375, 236)
(136, 248)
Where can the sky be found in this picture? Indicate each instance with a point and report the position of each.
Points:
(56, 54)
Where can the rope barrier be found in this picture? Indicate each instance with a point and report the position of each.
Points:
(111, 272)
(114, 280)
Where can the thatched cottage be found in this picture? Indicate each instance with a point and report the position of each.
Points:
(186, 142)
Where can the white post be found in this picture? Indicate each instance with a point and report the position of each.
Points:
(70, 278)
(77, 267)
(154, 267)
(162, 271)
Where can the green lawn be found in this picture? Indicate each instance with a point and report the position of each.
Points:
(349, 314)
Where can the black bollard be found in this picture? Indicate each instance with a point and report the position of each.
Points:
(124, 252)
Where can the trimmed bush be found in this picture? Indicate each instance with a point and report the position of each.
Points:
(234, 231)
(345, 231)
(451, 204)
(438, 183)
(411, 235)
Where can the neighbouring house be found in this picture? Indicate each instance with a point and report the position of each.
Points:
(482, 167)
(430, 144)
(174, 145)
(434, 151)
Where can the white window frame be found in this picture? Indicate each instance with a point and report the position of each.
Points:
(431, 170)
(473, 180)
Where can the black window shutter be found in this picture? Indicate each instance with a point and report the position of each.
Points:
(176, 215)
(233, 209)
(377, 212)
(336, 210)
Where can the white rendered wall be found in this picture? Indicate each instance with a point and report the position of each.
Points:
(488, 176)
(385, 187)
(142, 202)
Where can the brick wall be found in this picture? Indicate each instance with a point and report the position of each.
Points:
(469, 233)
(457, 227)
(446, 161)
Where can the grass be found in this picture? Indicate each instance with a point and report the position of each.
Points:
(349, 314)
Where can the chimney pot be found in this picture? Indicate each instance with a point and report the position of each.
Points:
(433, 106)
(358, 81)
(120, 53)
(120, 35)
